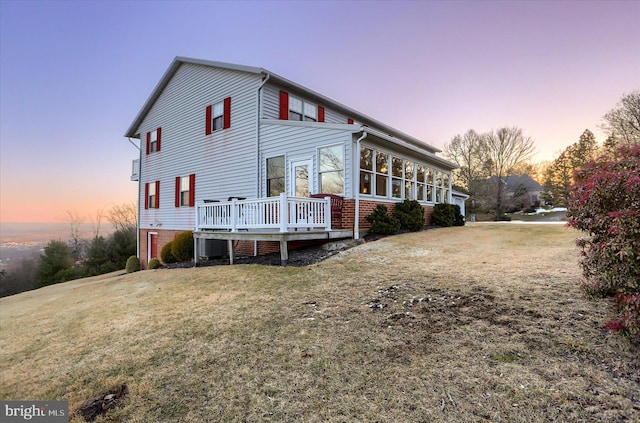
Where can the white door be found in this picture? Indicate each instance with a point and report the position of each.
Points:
(301, 178)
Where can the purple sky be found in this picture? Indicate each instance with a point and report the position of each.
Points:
(73, 75)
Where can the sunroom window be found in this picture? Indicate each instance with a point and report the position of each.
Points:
(366, 170)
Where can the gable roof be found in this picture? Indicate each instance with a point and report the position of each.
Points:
(284, 82)
(514, 181)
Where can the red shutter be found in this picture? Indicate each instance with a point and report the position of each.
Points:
(148, 142)
(157, 194)
(146, 195)
(209, 116)
(350, 121)
(192, 190)
(159, 135)
(227, 113)
(320, 114)
(284, 105)
(177, 201)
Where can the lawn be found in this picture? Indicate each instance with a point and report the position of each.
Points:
(483, 323)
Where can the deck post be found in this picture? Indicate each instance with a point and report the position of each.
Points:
(232, 253)
(195, 251)
(283, 214)
(284, 252)
(234, 215)
(327, 213)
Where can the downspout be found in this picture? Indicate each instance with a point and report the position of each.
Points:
(259, 175)
(138, 202)
(258, 164)
(356, 224)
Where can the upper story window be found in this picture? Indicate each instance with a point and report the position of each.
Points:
(185, 191)
(275, 176)
(152, 195)
(218, 116)
(331, 169)
(153, 140)
(294, 108)
(301, 110)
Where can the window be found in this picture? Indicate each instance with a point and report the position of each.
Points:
(218, 116)
(366, 170)
(420, 177)
(275, 176)
(300, 110)
(396, 180)
(445, 187)
(294, 108)
(382, 173)
(152, 195)
(430, 191)
(331, 164)
(153, 140)
(409, 181)
(185, 191)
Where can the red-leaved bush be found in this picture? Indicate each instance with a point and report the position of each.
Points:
(605, 203)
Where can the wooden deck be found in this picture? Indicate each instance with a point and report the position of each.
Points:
(265, 235)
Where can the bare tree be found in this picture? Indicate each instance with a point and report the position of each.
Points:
(507, 148)
(75, 240)
(96, 222)
(622, 123)
(469, 152)
(123, 217)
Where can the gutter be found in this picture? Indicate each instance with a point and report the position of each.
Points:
(356, 185)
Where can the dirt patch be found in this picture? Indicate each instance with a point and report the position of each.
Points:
(102, 403)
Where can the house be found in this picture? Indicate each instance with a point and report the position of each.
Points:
(239, 153)
(522, 191)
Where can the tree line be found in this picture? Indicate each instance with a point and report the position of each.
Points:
(76, 257)
(486, 159)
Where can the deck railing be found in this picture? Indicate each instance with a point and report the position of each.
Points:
(283, 214)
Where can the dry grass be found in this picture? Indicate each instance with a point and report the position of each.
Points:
(481, 323)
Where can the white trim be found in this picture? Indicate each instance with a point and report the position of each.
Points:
(292, 184)
(149, 245)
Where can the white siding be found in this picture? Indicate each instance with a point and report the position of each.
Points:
(298, 143)
(224, 162)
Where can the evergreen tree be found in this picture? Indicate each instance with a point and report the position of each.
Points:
(54, 263)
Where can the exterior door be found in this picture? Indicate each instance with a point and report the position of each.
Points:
(153, 246)
(301, 178)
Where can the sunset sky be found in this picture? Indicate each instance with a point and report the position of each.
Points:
(73, 75)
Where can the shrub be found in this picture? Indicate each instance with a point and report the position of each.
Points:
(154, 263)
(133, 264)
(458, 218)
(381, 222)
(410, 214)
(442, 215)
(166, 255)
(604, 203)
(447, 215)
(182, 246)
